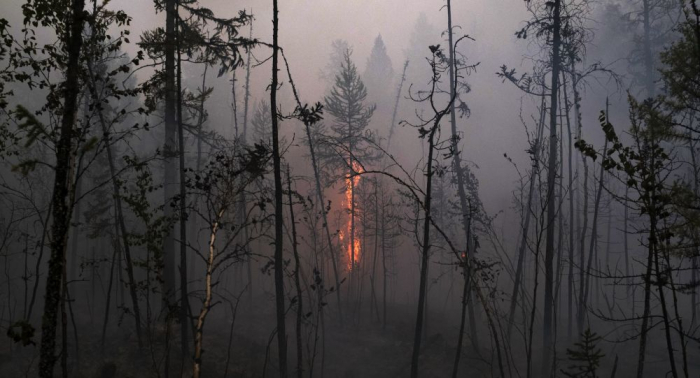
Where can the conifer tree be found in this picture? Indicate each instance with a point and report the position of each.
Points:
(346, 103)
(585, 357)
(379, 73)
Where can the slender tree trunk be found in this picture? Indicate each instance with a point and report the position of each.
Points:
(170, 149)
(279, 222)
(246, 96)
(425, 253)
(37, 268)
(534, 175)
(25, 275)
(75, 235)
(551, 183)
(594, 242)
(373, 276)
(353, 268)
(641, 355)
(648, 55)
(626, 250)
(194, 228)
(651, 252)
(244, 141)
(64, 319)
(679, 319)
(120, 223)
(465, 299)
(533, 311)
(109, 297)
(560, 218)
(594, 227)
(696, 239)
(184, 301)
(582, 251)
(570, 291)
(384, 267)
(396, 105)
(660, 279)
(297, 282)
(324, 215)
(60, 227)
(206, 305)
(457, 165)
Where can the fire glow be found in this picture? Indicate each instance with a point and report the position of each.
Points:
(352, 244)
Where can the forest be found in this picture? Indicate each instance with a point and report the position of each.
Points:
(330, 188)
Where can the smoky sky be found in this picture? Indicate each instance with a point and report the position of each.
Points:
(495, 127)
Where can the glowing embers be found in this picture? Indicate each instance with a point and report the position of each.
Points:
(352, 245)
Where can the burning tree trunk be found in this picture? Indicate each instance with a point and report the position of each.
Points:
(346, 104)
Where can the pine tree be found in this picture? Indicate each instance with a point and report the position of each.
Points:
(585, 357)
(261, 122)
(379, 73)
(346, 103)
(335, 62)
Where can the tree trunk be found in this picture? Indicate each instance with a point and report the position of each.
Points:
(457, 165)
(61, 215)
(120, 224)
(424, 259)
(648, 55)
(244, 141)
(319, 192)
(526, 221)
(184, 301)
(551, 183)
(206, 305)
(384, 268)
(594, 230)
(396, 106)
(373, 277)
(297, 282)
(570, 286)
(582, 246)
(109, 296)
(170, 149)
(465, 300)
(279, 222)
(424, 254)
(696, 239)
(641, 355)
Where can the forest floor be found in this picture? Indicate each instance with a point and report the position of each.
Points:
(361, 348)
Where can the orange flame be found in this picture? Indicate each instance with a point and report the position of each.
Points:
(350, 183)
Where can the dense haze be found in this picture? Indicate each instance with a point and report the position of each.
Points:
(529, 208)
